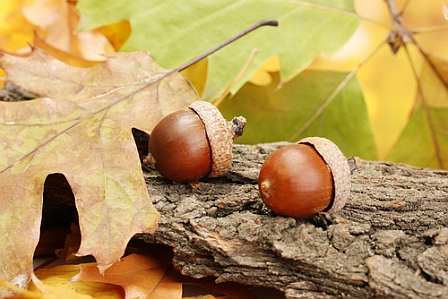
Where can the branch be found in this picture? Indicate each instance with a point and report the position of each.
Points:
(390, 241)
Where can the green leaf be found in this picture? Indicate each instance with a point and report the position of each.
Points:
(315, 103)
(175, 31)
(424, 141)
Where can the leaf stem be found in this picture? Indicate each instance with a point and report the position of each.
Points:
(227, 42)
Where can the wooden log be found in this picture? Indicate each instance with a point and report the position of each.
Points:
(390, 240)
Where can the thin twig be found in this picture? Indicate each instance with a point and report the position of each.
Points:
(335, 92)
(430, 62)
(227, 42)
(405, 7)
(426, 110)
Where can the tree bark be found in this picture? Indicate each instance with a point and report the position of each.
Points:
(390, 240)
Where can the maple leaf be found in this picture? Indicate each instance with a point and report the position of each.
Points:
(80, 127)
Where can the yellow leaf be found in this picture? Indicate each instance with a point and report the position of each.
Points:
(262, 76)
(424, 15)
(15, 31)
(57, 290)
(139, 276)
(197, 75)
(12, 291)
(389, 93)
(388, 80)
(426, 19)
(434, 82)
(116, 33)
(356, 51)
(56, 282)
(56, 22)
(375, 11)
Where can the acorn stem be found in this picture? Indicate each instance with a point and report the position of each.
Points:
(237, 125)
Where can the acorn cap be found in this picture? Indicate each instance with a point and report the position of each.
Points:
(220, 134)
(339, 167)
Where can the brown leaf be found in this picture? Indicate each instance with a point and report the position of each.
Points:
(80, 127)
(140, 277)
(56, 282)
(56, 23)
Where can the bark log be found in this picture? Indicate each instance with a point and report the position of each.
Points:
(390, 240)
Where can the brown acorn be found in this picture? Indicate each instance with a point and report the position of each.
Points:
(188, 145)
(300, 180)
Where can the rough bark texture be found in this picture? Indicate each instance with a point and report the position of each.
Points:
(390, 240)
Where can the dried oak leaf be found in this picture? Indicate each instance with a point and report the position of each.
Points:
(80, 127)
(139, 276)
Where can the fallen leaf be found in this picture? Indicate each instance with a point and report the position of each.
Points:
(56, 282)
(116, 33)
(139, 276)
(55, 23)
(202, 297)
(168, 288)
(57, 291)
(15, 30)
(12, 291)
(80, 127)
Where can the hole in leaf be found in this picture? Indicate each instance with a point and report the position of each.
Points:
(141, 139)
(13, 93)
(59, 227)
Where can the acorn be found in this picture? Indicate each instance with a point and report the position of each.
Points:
(191, 144)
(303, 179)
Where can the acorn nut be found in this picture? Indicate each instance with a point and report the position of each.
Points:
(188, 145)
(300, 180)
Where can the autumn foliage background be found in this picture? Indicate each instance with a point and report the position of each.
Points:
(369, 75)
